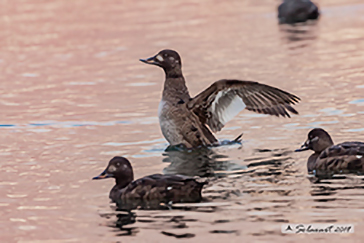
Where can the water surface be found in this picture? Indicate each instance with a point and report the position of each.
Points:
(73, 95)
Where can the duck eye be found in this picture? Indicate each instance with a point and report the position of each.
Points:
(117, 164)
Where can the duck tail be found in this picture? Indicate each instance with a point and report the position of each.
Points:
(238, 138)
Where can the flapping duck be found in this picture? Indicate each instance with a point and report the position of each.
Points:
(150, 191)
(330, 158)
(191, 121)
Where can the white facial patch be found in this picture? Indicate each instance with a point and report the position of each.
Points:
(111, 168)
(160, 58)
(359, 156)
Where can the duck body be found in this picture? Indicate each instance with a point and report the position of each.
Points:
(150, 191)
(190, 121)
(346, 157)
(296, 11)
(178, 124)
(185, 130)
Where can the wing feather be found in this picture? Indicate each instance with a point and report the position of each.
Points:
(224, 99)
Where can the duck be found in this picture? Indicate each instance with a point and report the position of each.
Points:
(296, 11)
(191, 121)
(150, 191)
(344, 157)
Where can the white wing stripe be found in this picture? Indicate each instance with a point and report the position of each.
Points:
(226, 112)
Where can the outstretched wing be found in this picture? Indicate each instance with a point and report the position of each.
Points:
(225, 98)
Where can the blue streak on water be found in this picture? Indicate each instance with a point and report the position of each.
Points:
(355, 130)
(154, 150)
(310, 115)
(331, 111)
(134, 143)
(291, 125)
(65, 124)
(348, 115)
(40, 124)
(7, 125)
(359, 101)
(322, 122)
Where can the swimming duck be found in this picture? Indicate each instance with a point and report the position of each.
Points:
(295, 11)
(191, 121)
(148, 192)
(340, 158)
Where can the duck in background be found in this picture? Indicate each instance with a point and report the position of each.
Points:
(190, 121)
(150, 191)
(344, 157)
(296, 11)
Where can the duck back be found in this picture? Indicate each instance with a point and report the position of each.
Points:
(150, 191)
(343, 157)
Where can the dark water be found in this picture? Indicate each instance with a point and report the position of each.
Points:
(73, 95)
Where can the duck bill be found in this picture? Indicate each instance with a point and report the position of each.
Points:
(103, 175)
(151, 60)
(304, 147)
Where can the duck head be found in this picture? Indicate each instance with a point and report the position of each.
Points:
(318, 140)
(169, 60)
(120, 169)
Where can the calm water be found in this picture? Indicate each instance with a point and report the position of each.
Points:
(73, 95)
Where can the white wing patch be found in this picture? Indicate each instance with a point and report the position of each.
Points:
(160, 107)
(225, 110)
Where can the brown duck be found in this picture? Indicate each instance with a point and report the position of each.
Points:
(327, 157)
(150, 191)
(191, 121)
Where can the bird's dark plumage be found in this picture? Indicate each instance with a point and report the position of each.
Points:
(150, 191)
(296, 11)
(327, 157)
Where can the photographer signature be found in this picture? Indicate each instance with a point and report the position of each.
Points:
(310, 228)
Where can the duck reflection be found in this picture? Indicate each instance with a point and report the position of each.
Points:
(335, 188)
(300, 34)
(204, 162)
(124, 219)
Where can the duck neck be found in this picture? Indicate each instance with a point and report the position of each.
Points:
(123, 182)
(311, 163)
(175, 88)
(175, 72)
(116, 190)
